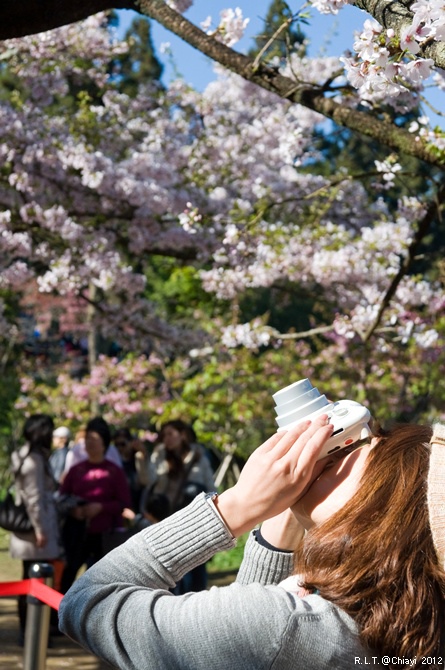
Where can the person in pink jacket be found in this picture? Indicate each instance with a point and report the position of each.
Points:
(102, 492)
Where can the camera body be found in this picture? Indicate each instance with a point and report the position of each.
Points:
(301, 401)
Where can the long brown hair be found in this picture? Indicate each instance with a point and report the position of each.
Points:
(375, 558)
(175, 459)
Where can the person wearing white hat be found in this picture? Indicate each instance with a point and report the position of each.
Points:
(62, 432)
(61, 446)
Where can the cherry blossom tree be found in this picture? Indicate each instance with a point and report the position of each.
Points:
(97, 186)
(404, 43)
(120, 390)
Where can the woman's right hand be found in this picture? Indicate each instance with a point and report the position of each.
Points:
(276, 475)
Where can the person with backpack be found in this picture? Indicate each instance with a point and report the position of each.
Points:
(35, 487)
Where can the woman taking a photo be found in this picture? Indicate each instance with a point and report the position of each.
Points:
(361, 537)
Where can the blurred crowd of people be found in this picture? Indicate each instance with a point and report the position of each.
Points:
(86, 493)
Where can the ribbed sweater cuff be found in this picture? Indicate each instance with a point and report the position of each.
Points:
(263, 565)
(189, 537)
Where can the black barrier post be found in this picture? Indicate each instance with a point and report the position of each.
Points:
(37, 621)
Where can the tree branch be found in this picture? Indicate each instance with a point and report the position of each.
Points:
(389, 13)
(307, 95)
(28, 16)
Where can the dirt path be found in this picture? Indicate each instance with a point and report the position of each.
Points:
(63, 653)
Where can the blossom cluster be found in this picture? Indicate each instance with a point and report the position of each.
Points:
(379, 73)
(354, 266)
(124, 391)
(428, 18)
(218, 178)
(65, 52)
(251, 335)
(231, 26)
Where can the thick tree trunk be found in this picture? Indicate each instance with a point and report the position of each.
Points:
(27, 17)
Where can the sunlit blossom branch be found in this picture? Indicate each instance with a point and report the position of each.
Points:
(332, 182)
(305, 334)
(397, 15)
(309, 96)
(321, 330)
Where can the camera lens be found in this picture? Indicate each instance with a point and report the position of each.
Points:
(298, 401)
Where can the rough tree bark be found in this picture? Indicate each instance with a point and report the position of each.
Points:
(27, 17)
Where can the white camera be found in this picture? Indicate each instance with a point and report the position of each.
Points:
(301, 401)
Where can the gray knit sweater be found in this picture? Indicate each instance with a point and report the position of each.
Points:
(122, 611)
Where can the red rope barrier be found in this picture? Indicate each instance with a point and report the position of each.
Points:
(15, 588)
(33, 587)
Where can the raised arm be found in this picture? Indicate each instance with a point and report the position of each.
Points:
(121, 608)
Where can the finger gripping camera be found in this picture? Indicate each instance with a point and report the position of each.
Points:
(301, 401)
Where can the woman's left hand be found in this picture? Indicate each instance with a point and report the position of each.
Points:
(276, 475)
(283, 531)
(128, 513)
